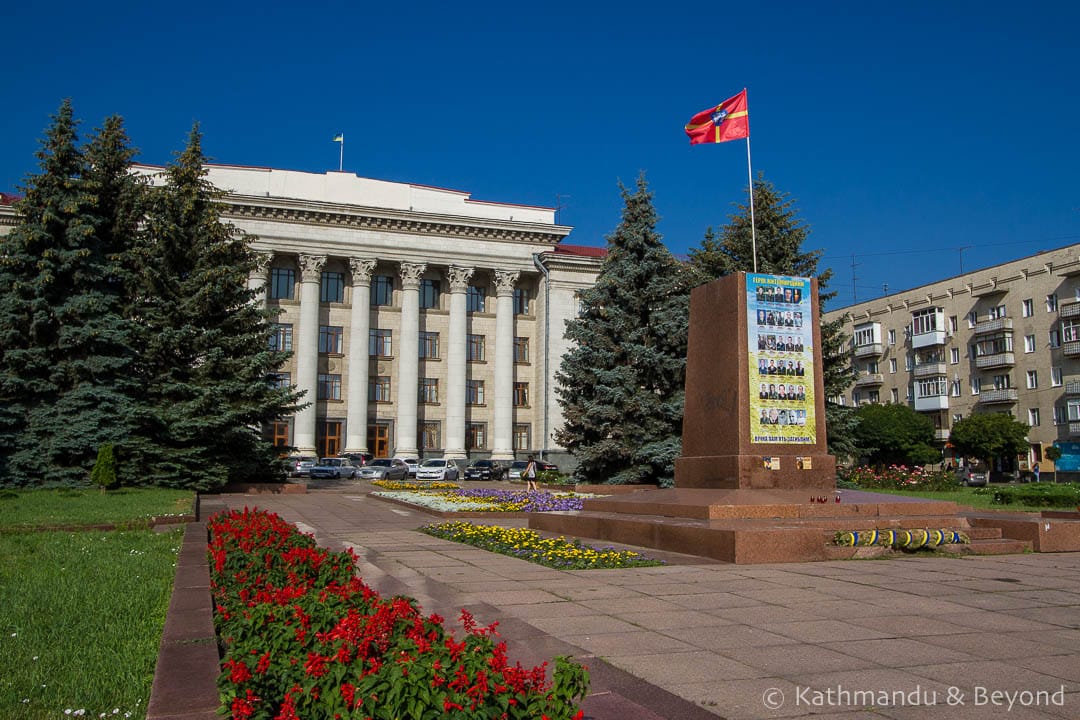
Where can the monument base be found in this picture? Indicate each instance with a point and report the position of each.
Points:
(761, 472)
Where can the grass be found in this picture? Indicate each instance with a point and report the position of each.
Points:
(132, 507)
(983, 500)
(82, 619)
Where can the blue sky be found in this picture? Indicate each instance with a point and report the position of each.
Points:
(903, 131)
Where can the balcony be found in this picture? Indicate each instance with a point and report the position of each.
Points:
(1001, 324)
(941, 434)
(1072, 387)
(1071, 348)
(869, 379)
(1074, 428)
(1070, 310)
(869, 350)
(933, 369)
(998, 360)
(929, 339)
(932, 402)
(1004, 395)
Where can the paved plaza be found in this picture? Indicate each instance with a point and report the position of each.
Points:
(918, 637)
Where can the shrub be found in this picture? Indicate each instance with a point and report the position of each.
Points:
(899, 477)
(1038, 495)
(104, 473)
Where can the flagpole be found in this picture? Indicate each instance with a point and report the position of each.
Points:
(753, 231)
(341, 153)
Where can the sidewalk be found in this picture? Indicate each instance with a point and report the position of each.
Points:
(918, 637)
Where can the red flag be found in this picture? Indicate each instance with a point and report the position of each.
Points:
(727, 121)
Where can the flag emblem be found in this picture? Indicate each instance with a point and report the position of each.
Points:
(729, 120)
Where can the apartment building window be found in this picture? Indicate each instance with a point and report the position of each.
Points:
(521, 349)
(382, 290)
(329, 387)
(1028, 308)
(475, 436)
(925, 321)
(281, 336)
(429, 294)
(955, 388)
(957, 417)
(522, 432)
(952, 323)
(994, 345)
(429, 390)
(474, 392)
(282, 283)
(910, 393)
(892, 337)
(330, 338)
(976, 385)
(332, 287)
(476, 299)
(429, 345)
(380, 343)
(280, 380)
(894, 395)
(379, 389)
(1051, 302)
(1002, 382)
(1054, 339)
(1070, 330)
(909, 362)
(1074, 410)
(931, 387)
(873, 396)
(1029, 343)
(1055, 377)
(997, 312)
(872, 368)
(475, 350)
(973, 318)
(521, 394)
(1061, 415)
(1033, 417)
(865, 335)
(1032, 379)
(521, 301)
(954, 355)
(430, 435)
(892, 365)
(855, 397)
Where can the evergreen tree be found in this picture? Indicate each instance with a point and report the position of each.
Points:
(621, 386)
(205, 358)
(780, 239)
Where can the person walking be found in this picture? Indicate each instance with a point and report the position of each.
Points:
(530, 474)
(1035, 471)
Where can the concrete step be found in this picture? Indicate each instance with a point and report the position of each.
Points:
(990, 546)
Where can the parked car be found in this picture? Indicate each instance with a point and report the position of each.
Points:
(972, 477)
(437, 470)
(359, 459)
(485, 470)
(334, 467)
(300, 465)
(516, 468)
(412, 463)
(385, 469)
(545, 466)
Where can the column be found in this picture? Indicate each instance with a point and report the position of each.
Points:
(257, 276)
(306, 347)
(359, 330)
(455, 344)
(408, 357)
(502, 447)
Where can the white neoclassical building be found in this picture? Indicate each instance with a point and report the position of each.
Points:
(420, 321)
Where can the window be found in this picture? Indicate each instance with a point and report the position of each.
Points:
(1070, 330)
(995, 344)
(474, 350)
(866, 335)
(521, 349)
(908, 362)
(282, 283)
(332, 287)
(892, 337)
(874, 396)
(475, 436)
(894, 395)
(430, 436)
(931, 387)
(1002, 382)
(281, 336)
(1051, 302)
(976, 385)
(892, 365)
(429, 294)
(429, 390)
(279, 433)
(330, 339)
(1074, 411)
(855, 397)
(280, 380)
(522, 442)
(1055, 339)
(955, 389)
(380, 343)
(1032, 379)
(1055, 377)
(1029, 343)
(329, 387)
(872, 367)
(429, 345)
(382, 290)
(1060, 415)
(1028, 308)
(996, 312)
(973, 318)
(476, 300)
(521, 301)
(926, 321)
(1033, 417)
(474, 392)
(521, 394)
(954, 355)
(952, 323)
(957, 417)
(378, 389)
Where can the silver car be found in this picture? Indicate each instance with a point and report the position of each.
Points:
(385, 469)
(300, 465)
(334, 467)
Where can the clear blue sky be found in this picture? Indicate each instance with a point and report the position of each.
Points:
(904, 131)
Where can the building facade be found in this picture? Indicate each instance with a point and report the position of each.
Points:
(421, 322)
(1001, 339)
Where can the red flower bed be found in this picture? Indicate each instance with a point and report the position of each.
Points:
(305, 638)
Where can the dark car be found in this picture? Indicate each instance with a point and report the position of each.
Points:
(545, 466)
(972, 477)
(333, 468)
(485, 470)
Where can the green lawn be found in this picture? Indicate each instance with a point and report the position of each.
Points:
(964, 496)
(21, 509)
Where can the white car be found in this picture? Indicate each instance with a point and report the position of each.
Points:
(437, 470)
(413, 464)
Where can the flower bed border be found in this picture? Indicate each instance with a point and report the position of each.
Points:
(449, 514)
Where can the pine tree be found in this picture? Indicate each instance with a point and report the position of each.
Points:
(780, 239)
(205, 360)
(621, 386)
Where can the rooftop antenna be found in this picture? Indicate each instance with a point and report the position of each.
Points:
(962, 248)
(854, 292)
(559, 207)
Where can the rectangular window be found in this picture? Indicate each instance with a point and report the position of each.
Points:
(429, 345)
(1002, 382)
(330, 339)
(521, 394)
(892, 365)
(855, 397)
(429, 294)
(1033, 417)
(931, 387)
(908, 362)
(976, 385)
(973, 318)
(1055, 339)
(1028, 308)
(282, 283)
(430, 436)
(995, 344)
(894, 395)
(474, 349)
(521, 349)
(1032, 379)
(874, 396)
(281, 336)
(925, 321)
(954, 355)
(522, 441)
(476, 300)
(1029, 343)
(280, 380)
(521, 301)
(475, 436)
(429, 390)
(474, 392)
(892, 337)
(382, 290)
(955, 388)
(379, 389)
(1061, 415)
(1070, 330)
(380, 343)
(957, 417)
(952, 323)
(1051, 302)
(329, 387)
(279, 433)
(332, 287)
(997, 312)
(1074, 410)
(1055, 377)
